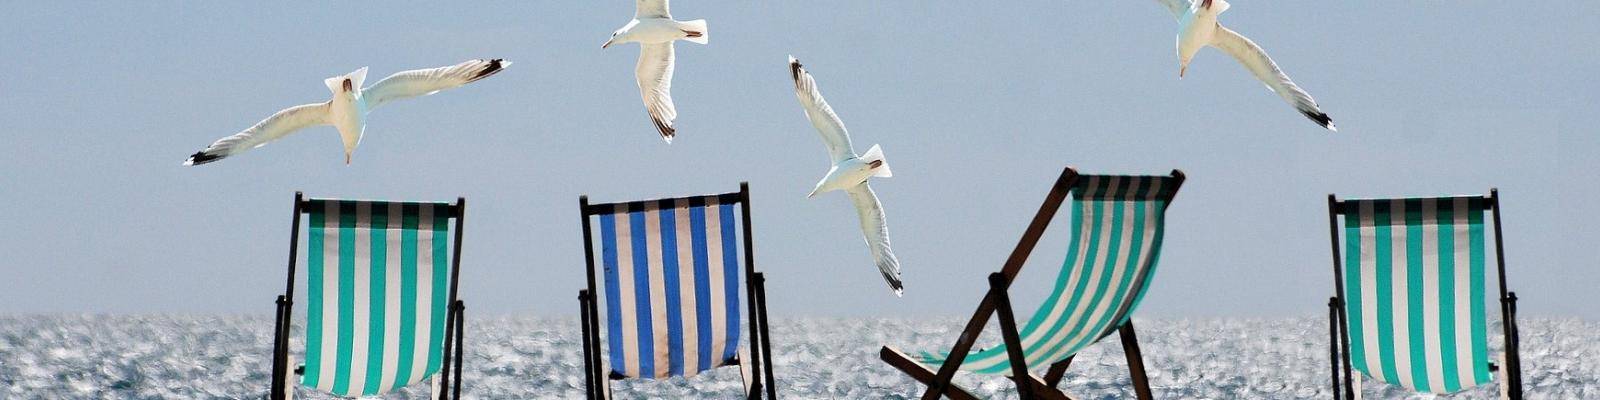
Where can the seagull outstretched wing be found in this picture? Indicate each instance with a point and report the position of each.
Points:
(423, 82)
(1256, 60)
(277, 126)
(821, 115)
(876, 231)
(655, 86)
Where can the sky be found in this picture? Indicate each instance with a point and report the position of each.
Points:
(977, 105)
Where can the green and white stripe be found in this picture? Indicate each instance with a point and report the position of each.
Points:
(1116, 240)
(377, 281)
(1414, 292)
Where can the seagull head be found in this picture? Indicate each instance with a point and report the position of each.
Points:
(618, 36)
(817, 189)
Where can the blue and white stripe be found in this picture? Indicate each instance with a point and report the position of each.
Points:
(672, 286)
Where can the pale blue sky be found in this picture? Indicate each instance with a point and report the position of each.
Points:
(978, 106)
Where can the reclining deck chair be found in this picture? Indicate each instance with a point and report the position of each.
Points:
(672, 282)
(1409, 310)
(1116, 240)
(378, 282)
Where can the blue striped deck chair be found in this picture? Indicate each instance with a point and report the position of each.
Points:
(1409, 303)
(671, 273)
(381, 307)
(1117, 230)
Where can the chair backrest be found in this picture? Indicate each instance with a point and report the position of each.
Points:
(1117, 228)
(672, 282)
(378, 279)
(1414, 291)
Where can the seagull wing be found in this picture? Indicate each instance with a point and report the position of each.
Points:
(876, 231)
(651, 9)
(1177, 7)
(1256, 60)
(277, 126)
(655, 85)
(423, 82)
(821, 115)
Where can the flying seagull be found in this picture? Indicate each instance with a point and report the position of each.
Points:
(1198, 28)
(850, 173)
(655, 30)
(348, 109)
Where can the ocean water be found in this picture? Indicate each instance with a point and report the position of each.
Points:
(198, 357)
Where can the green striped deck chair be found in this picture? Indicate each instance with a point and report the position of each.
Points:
(1117, 230)
(672, 278)
(1409, 302)
(381, 308)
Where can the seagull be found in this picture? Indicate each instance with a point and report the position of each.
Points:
(655, 30)
(1198, 28)
(348, 109)
(850, 173)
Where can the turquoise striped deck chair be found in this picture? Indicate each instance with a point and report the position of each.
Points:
(672, 278)
(1409, 301)
(1117, 230)
(381, 307)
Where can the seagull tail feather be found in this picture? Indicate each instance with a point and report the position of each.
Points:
(696, 30)
(880, 166)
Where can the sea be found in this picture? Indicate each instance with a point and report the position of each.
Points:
(530, 357)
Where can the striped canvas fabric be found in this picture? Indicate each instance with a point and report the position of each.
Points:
(672, 286)
(1115, 242)
(377, 278)
(1414, 292)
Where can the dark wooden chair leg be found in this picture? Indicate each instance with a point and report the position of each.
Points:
(766, 335)
(1058, 371)
(280, 359)
(1513, 351)
(921, 373)
(1130, 347)
(1333, 344)
(1008, 332)
(461, 331)
(583, 321)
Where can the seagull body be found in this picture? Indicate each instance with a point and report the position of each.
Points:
(654, 30)
(850, 173)
(347, 110)
(1198, 27)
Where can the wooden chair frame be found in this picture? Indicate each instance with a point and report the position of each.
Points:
(997, 300)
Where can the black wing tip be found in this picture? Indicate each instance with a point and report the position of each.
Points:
(667, 131)
(1320, 118)
(895, 284)
(495, 66)
(201, 157)
(794, 68)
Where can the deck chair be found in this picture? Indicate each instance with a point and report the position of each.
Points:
(1116, 239)
(381, 307)
(1409, 310)
(672, 282)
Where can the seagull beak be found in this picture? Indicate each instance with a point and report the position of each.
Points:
(608, 43)
(812, 194)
